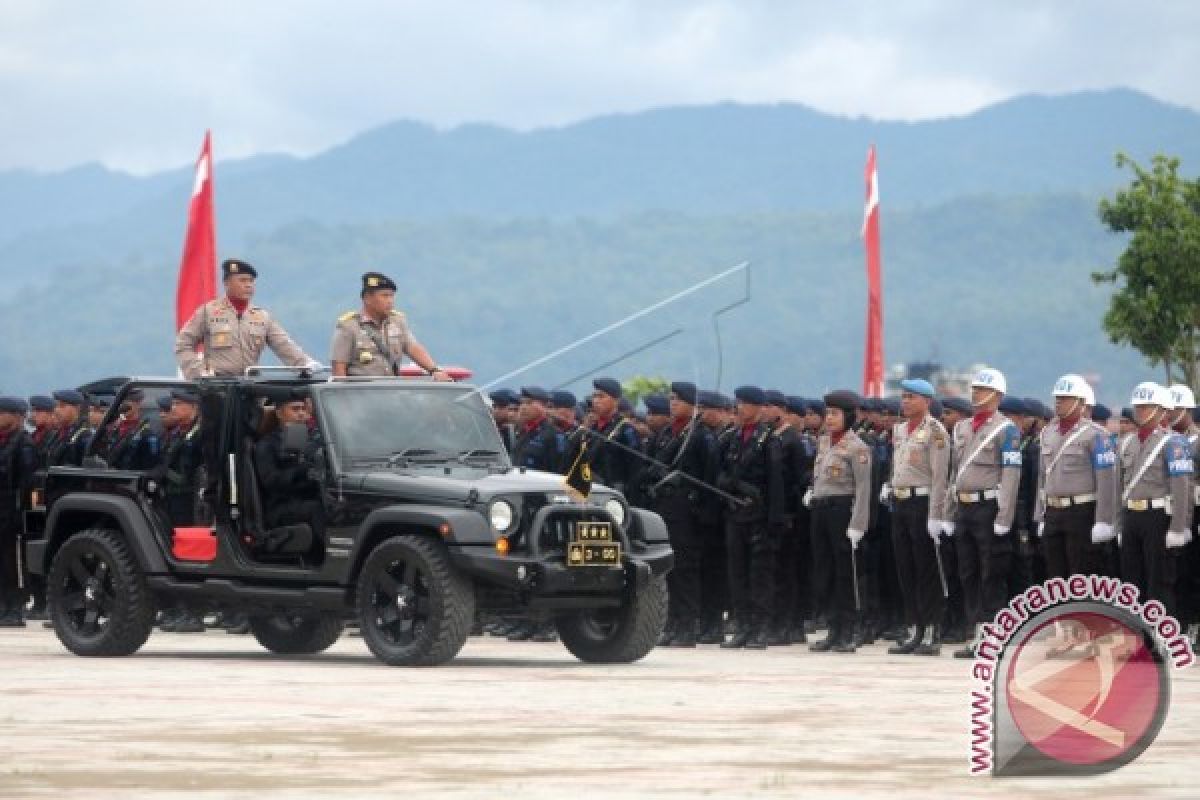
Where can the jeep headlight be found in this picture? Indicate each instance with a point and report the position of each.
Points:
(615, 508)
(500, 515)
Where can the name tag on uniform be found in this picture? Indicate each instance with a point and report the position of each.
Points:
(922, 436)
(835, 471)
(220, 340)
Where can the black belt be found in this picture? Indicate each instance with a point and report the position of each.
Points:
(833, 500)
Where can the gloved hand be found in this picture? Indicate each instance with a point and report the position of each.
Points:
(1102, 532)
(948, 527)
(935, 528)
(1041, 529)
(1176, 539)
(1000, 530)
(807, 498)
(855, 536)
(885, 493)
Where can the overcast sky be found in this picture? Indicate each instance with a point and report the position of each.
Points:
(134, 83)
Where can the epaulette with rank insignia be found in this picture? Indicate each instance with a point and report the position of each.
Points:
(349, 315)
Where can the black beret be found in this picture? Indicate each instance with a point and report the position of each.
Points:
(706, 398)
(136, 395)
(40, 402)
(685, 391)
(535, 393)
(233, 266)
(751, 394)
(1011, 404)
(184, 396)
(71, 397)
(817, 407)
(891, 405)
(99, 401)
(657, 403)
(376, 280)
(935, 407)
(1101, 413)
(775, 398)
(624, 406)
(13, 405)
(610, 386)
(504, 397)
(562, 399)
(796, 405)
(727, 402)
(844, 399)
(164, 402)
(959, 404)
(1127, 414)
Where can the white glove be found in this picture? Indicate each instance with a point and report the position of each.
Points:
(885, 493)
(1118, 538)
(935, 528)
(854, 536)
(1102, 532)
(312, 363)
(1000, 530)
(1176, 539)
(948, 527)
(807, 500)
(1041, 529)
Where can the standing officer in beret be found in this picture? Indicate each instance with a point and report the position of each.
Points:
(132, 443)
(919, 479)
(233, 332)
(75, 434)
(752, 470)
(504, 413)
(45, 427)
(841, 510)
(18, 461)
(797, 475)
(610, 443)
(537, 441)
(375, 339)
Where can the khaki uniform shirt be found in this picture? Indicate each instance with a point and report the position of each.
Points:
(1169, 475)
(997, 465)
(232, 343)
(368, 347)
(922, 460)
(844, 470)
(1085, 466)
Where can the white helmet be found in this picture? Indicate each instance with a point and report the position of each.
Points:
(1182, 396)
(1070, 385)
(1089, 394)
(989, 378)
(1149, 393)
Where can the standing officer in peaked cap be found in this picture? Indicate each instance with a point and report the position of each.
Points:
(233, 332)
(375, 339)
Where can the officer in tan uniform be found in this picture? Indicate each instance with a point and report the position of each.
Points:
(374, 340)
(920, 475)
(233, 332)
(1155, 476)
(1187, 586)
(985, 475)
(1076, 505)
(841, 506)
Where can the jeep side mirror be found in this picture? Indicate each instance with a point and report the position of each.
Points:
(295, 438)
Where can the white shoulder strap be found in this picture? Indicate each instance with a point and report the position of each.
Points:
(1070, 441)
(962, 468)
(1145, 466)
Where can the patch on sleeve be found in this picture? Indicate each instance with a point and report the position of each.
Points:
(1179, 460)
(862, 458)
(1104, 456)
(1010, 448)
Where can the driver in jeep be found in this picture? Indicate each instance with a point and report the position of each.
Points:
(291, 497)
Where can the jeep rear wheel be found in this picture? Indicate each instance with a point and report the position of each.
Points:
(96, 596)
(617, 635)
(414, 608)
(297, 634)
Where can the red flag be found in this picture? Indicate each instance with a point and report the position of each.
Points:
(873, 361)
(198, 270)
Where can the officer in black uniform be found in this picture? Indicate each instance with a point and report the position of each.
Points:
(180, 473)
(75, 434)
(797, 473)
(610, 443)
(133, 444)
(710, 523)
(752, 471)
(504, 412)
(18, 462)
(537, 441)
(291, 496)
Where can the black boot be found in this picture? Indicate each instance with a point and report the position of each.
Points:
(910, 644)
(738, 640)
(931, 643)
(684, 637)
(826, 644)
(759, 639)
(796, 634)
(545, 632)
(969, 650)
(521, 632)
(779, 636)
(711, 634)
(667, 635)
(849, 639)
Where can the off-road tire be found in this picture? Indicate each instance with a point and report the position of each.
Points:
(297, 634)
(618, 635)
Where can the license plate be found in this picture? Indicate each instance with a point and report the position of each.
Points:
(593, 532)
(586, 554)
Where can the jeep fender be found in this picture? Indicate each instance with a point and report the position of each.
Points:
(89, 508)
(462, 527)
(647, 526)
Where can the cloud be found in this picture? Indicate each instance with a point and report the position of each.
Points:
(134, 83)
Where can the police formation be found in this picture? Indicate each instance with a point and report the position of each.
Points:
(912, 519)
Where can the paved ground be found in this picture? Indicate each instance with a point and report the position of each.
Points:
(215, 716)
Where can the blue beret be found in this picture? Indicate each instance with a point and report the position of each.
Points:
(624, 406)
(751, 394)
(796, 405)
(99, 401)
(918, 386)
(817, 406)
(891, 405)
(727, 402)
(846, 400)
(657, 404)
(775, 398)
(1037, 408)
(504, 397)
(184, 396)
(1012, 404)
(706, 398)
(610, 386)
(562, 399)
(136, 395)
(164, 402)
(1127, 414)
(1101, 413)
(13, 405)
(959, 404)
(69, 396)
(935, 407)
(40, 402)
(685, 391)
(535, 393)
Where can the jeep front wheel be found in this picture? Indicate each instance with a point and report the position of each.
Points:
(96, 596)
(414, 608)
(617, 635)
(297, 634)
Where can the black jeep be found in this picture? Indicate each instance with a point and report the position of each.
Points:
(419, 522)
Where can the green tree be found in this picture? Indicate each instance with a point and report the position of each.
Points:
(639, 386)
(1156, 305)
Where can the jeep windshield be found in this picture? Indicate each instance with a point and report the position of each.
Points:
(399, 426)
